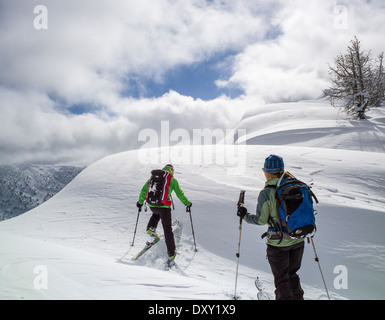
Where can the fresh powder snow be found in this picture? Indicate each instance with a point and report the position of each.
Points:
(77, 245)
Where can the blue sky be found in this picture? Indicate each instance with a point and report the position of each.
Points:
(197, 80)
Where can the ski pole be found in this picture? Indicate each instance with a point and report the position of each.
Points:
(237, 255)
(319, 266)
(241, 201)
(136, 225)
(192, 228)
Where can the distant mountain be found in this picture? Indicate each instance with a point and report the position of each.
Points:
(24, 187)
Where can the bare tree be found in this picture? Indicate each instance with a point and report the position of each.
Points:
(357, 84)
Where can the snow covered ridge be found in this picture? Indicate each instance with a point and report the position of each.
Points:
(77, 244)
(314, 123)
(24, 187)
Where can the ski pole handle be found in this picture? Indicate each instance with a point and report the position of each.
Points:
(241, 199)
(241, 202)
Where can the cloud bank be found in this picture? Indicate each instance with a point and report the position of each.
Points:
(93, 53)
(294, 65)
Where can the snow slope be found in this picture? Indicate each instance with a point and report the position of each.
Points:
(77, 244)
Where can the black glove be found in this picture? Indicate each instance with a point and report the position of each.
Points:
(139, 205)
(188, 208)
(242, 211)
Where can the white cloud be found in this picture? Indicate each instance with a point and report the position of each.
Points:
(294, 66)
(93, 48)
(89, 53)
(33, 131)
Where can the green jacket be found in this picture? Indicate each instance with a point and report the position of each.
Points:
(266, 208)
(174, 186)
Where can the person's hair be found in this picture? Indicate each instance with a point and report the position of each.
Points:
(279, 174)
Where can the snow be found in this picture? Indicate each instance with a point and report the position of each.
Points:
(77, 244)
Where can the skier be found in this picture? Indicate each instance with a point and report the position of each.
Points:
(284, 256)
(164, 213)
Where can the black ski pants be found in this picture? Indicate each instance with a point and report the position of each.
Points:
(163, 214)
(284, 263)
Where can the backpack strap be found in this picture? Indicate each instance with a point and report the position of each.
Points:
(312, 195)
(275, 231)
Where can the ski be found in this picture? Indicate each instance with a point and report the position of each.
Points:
(148, 246)
(261, 295)
(177, 227)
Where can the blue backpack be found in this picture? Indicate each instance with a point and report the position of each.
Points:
(295, 211)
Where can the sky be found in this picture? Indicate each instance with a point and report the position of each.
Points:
(81, 79)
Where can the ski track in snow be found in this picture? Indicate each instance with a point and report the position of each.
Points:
(79, 241)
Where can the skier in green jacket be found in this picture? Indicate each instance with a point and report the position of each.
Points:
(164, 212)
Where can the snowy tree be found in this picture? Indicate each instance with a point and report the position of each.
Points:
(357, 82)
(379, 83)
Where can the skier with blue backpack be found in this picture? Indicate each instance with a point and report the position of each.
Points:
(286, 206)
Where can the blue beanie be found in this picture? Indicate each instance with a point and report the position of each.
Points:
(273, 164)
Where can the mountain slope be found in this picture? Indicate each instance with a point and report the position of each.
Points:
(82, 235)
(24, 187)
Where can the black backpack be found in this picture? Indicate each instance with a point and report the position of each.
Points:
(158, 188)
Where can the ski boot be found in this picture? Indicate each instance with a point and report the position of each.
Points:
(171, 261)
(152, 233)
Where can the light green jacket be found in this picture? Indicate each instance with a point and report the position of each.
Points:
(174, 186)
(266, 209)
